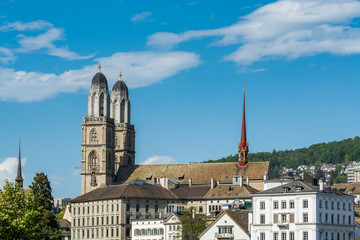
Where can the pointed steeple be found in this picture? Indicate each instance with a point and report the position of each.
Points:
(243, 149)
(19, 178)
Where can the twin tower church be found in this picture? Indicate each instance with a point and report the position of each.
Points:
(108, 137)
(108, 148)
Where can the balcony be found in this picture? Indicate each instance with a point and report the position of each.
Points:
(283, 224)
(224, 236)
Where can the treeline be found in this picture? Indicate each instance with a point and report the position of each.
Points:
(333, 152)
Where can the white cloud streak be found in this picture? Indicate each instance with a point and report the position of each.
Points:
(139, 68)
(8, 169)
(284, 29)
(159, 160)
(44, 40)
(142, 17)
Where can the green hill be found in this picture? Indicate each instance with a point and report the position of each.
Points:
(332, 152)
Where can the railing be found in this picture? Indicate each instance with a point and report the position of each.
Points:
(224, 235)
(283, 224)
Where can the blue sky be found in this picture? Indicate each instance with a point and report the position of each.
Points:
(185, 63)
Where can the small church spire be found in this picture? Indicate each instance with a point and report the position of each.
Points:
(243, 144)
(19, 178)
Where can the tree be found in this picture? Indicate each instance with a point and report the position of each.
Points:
(20, 216)
(192, 225)
(41, 191)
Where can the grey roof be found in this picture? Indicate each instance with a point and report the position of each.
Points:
(120, 86)
(99, 80)
(292, 187)
(137, 191)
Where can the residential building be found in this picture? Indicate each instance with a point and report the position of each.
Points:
(353, 173)
(349, 188)
(65, 227)
(59, 203)
(229, 225)
(300, 210)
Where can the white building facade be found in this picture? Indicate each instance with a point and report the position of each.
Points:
(300, 211)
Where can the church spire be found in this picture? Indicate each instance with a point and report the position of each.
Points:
(19, 178)
(243, 144)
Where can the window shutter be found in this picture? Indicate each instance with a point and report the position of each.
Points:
(275, 218)
(219, 230)
(291, 217)
(231, 230)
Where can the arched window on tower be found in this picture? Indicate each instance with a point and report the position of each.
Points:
(101, 104)
(122, 111)
(93, 161)
(93, 135)
(116, 141)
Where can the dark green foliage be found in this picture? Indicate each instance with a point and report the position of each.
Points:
(41, 190)
(192, 227)
(332, 152)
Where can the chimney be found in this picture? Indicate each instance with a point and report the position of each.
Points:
(265, 176)
(241, 181)
(321, 183)
(193, 213)
(190, 182)
(247, 181)
(212, 183)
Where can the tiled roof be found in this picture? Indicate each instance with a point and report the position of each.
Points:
(64, 224)
(240, 217)
(349, 188)
(200, 173)
(126, 191)
(292, 187)
(230, 191)
(191, 192)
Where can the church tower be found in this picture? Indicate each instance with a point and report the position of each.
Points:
(243, 149)
(124, 130)
(98, 130)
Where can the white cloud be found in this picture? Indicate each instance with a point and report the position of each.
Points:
(286, 29)
(6, 55)
(8, 169)
(44, 40)
(139, 69)
(30, 26)
(159, 160)
(142, 17)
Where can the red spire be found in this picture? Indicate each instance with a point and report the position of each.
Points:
(243, 144)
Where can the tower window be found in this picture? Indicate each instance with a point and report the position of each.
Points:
(94, 160)
(116, 141)
(93, 135)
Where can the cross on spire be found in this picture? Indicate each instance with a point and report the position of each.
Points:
(99, 67)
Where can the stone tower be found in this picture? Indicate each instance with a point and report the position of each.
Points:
(98, 131)
(124, 130)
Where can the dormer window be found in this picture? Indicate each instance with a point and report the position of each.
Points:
(181, 176)
(286, 189)
(299, 188)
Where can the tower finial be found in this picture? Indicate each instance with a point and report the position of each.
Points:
(244, 86)
(243, 144)
(120, 74)
(99, 67)
(19, 178)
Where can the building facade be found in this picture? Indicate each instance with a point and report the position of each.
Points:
(299, 210)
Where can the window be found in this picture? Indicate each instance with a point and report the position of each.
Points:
(349, 220)
(262, 218)
(222, 229)
(305, 218)
(283, 204)
(305, 204)
(292, 204)
(201, 210)
(93, 135)
(276, 205)
(283, 236)
(283, 218)
(305, 236)
(262, 236)
(344, 208)
(320, 217)
(332, 205)
(326, 204)
(147, 208)
(349, 206)
(127, 219)
(117, 219)
(262, 205)
(326, 218)
(276, 236)
(137, 207)
(128, 207)
(320, 204)
(338, 206)
(291, 236)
